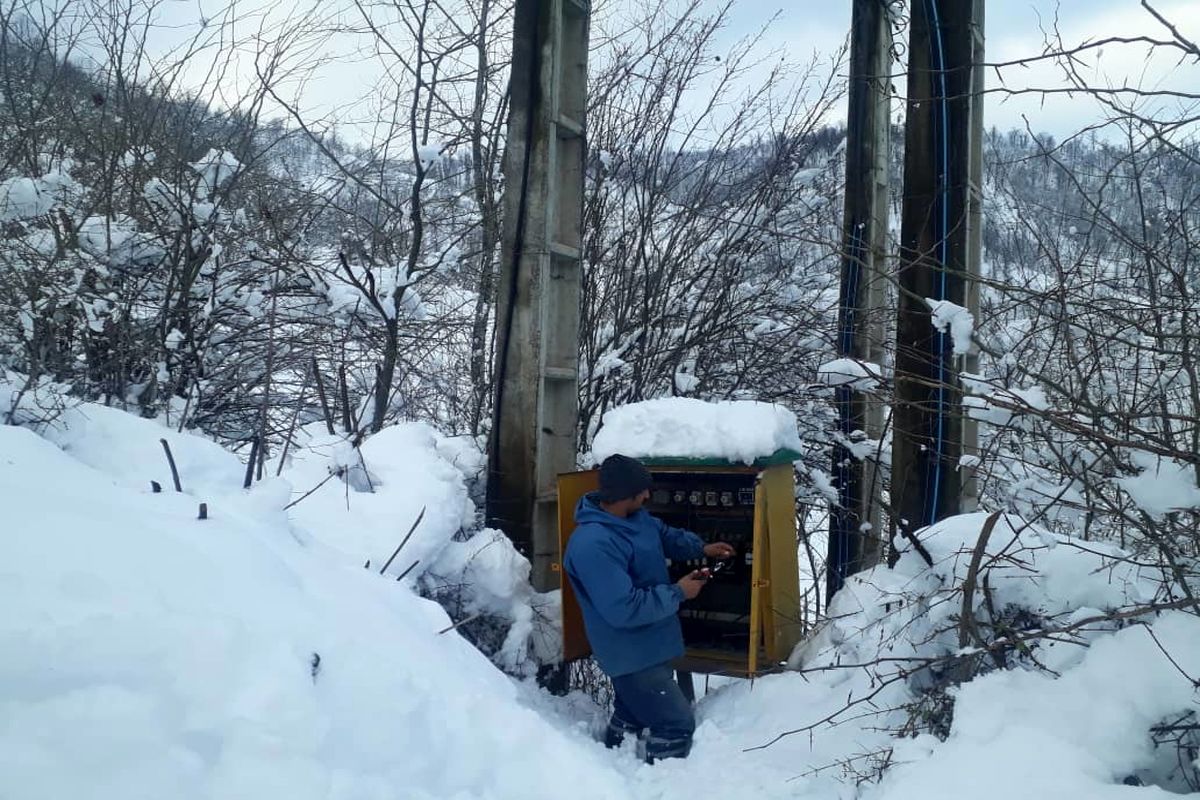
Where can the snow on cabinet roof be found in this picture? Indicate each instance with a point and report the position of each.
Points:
(671, 428)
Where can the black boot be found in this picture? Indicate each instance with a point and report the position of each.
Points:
(659, 748)
(615, 733)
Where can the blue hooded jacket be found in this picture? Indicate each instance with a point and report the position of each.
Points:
(617, 567)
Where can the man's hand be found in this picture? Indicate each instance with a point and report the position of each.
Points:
(692, 583)
(719, 550)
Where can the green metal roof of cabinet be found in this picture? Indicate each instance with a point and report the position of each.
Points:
(781, 456)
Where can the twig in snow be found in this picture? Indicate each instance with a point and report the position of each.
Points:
(907, 533)
(411, 567)
(347, 420)
(967, 632)
(287, 440)
(1195, 683)
(461, 622)
(249, 479)
(171, 461)
(310, 491)
(407, 536)
(363, 462)
(316, 371)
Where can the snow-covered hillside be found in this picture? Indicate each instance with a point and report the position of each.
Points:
(151, 654)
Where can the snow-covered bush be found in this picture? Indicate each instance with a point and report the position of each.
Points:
(989, 600)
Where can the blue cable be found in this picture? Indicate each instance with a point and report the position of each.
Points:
(844, 398)
(851, 291)
(940, 59)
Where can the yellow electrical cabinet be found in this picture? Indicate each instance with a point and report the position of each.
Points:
(748, 617)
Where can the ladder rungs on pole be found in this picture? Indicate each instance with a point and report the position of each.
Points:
(560, 373)
(568, 128)
(565, 251)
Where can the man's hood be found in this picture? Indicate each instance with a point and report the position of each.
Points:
(588, 510)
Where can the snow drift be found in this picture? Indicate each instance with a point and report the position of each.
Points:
(150, 654)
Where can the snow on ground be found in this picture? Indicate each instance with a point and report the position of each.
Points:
(149, 654)
(399, 474)
(736, 430)
(1032, 735)
(1077, 736)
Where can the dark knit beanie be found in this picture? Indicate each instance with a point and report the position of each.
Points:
(622, 477)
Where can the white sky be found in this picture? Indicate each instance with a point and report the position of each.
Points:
(1014, 29)
(798, 29)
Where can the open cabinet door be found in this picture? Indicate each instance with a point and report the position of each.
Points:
(571, 487)
(757, 580)
(785, 622)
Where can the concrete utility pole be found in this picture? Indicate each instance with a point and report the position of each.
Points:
(533, 436)
(939, 251)
(970, 487)
(854, 526)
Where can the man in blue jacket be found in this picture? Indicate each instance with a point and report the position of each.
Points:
(616, 562)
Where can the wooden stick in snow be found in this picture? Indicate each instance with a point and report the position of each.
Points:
(249, 479)
(347, 419)
(171, 461)
(316, 371)
(287, 440)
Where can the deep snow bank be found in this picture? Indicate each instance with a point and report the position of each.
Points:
(150, 654)
(1069, 716)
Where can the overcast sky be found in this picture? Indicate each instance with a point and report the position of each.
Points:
(1014, 28)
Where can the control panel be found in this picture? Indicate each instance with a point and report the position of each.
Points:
(719, 507)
